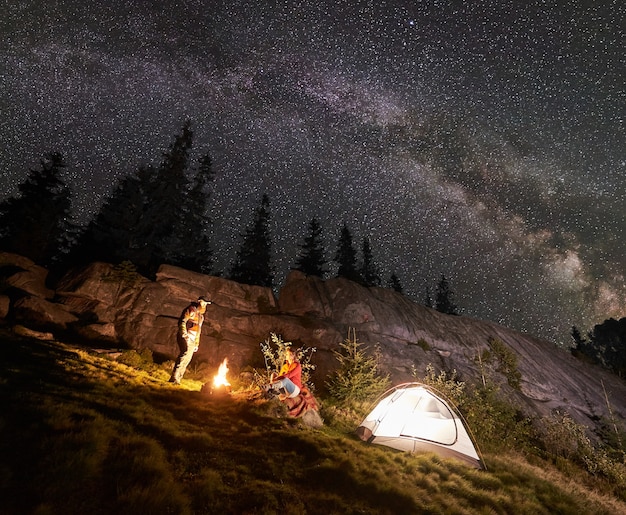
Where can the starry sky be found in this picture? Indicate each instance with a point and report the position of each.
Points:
(481, 140)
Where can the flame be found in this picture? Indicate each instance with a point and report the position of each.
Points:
(220, 378)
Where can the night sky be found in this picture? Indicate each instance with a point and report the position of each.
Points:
(482, 140)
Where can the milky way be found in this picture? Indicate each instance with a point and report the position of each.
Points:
(481, 140)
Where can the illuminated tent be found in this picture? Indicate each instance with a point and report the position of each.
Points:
(411, 417)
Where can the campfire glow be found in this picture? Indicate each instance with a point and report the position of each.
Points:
(220, 379)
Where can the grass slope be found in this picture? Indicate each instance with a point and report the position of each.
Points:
(81, 433)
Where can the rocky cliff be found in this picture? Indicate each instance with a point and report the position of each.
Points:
(105, 307)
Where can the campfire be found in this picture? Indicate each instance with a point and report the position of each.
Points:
(220, 381)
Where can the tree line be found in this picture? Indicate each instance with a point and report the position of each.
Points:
(160, 214)
(604, 345)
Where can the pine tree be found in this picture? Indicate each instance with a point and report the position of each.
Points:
(195, 251)
(163, 223)
(428, 299)
(311, 260)
(394, 283)
(609, 340)
(36, 223)
(112, 235)
(370, 273)
(445, 298)
(346, 256)
(358, 377)
(253, 261)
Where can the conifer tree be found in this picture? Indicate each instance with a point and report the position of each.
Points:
(394, 283)
(428, 299)
(163, 222)
(370, 273)
(195, 251)
(358, 377)
(445, 297)
(311, 260)
(253, 261)
(36, 222)
(112, 235)
(608, 339)
(345, 256)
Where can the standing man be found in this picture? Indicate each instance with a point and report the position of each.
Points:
(188, 337)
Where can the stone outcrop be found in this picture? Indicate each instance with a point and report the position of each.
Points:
(101, 306)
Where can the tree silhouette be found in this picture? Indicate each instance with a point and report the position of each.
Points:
(394, 283)
(113, 234)
(144, 220)
(345, 256)
(36, 222)
(253, 261)
(445, 298)
(585, 348)
(428, 299)
(369, 272)
(195, 252)
(607, 345)
(311, 260)
(163, 223)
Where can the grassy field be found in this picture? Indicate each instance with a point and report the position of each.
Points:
(81, 433)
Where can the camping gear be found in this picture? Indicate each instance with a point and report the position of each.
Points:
(412, 417)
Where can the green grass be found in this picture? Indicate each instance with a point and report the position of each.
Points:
(81, 433)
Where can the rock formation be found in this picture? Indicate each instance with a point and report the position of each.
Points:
(100, 306)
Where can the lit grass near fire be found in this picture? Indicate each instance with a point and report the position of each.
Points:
(82, 433)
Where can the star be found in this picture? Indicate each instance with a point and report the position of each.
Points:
(483, 141)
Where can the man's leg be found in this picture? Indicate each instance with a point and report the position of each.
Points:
(183, 360)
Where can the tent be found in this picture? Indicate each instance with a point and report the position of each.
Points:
(412, 417)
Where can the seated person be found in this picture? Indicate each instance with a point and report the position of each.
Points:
(289, 379)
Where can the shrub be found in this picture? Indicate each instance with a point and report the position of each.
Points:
(563, 438)
(498, 422)
(273, 350)
(139, 359)
(357, 378)
(503, 359)
(124, 273)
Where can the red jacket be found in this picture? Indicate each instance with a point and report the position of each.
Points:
(292, 372)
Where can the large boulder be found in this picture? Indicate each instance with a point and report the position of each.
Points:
(41, 314)
(23, 276)
(5, 305)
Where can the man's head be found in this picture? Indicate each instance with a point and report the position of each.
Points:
(203, 301)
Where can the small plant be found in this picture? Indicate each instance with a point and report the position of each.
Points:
(124, 272)
(140, 359)
(422, 344)
(273, 350)
(358, 377)
(504, 361)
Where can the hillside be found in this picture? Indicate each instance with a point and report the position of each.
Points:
(114, 307)
(82, 433)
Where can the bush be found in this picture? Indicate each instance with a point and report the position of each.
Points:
(504, 361)
(357, 378)
(497, 422)
(273, 350)
(564, 439)
(124, 273)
